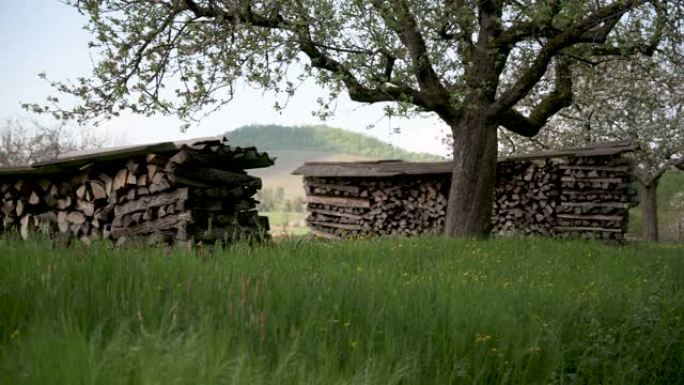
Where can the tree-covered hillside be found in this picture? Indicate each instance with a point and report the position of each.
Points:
(293, 146)
(322, 138)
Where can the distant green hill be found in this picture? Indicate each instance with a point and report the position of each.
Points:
(334, 140)
(295, 145)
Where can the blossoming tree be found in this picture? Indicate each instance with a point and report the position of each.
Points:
(469, 62)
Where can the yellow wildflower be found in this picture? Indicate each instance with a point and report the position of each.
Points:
(482, 337)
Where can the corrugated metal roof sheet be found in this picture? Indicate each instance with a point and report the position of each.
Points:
(389, 168)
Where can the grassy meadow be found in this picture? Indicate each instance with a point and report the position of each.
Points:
(392, 311)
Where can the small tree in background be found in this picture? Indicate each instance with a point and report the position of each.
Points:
(641, 100)
(23, 142)
(469, 62)
(677, 203)
(266, 199)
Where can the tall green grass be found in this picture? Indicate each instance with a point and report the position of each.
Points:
(395, 311)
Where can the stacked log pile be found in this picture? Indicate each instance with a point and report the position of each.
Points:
(76, 206)
(198, 192)
(596, 194)
(553, 194)
(526, 197)
(341, 207)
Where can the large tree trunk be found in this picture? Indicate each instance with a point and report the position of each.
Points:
(649, 210)
(469, 208)
(472, 181)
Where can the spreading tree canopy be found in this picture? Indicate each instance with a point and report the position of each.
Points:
(470, 62)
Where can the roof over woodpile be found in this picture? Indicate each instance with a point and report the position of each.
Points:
(595, 149)
(389, 168)
(81, 159)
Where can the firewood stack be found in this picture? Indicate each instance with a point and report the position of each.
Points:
(68, 206)
(388, 206)
(596, 194)
(575, 192)
(197, 192)
(526, 196)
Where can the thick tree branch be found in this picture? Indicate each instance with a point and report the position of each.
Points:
(680, 165)
(357, 91)
(560, 97)
(574, 34)
(647, 179)
(389, 66)
(406, 28)
(319, 59)
(481, 75)
(531, 29)
(598, 35)
(237, 15)
(454, 9)
(647, 49)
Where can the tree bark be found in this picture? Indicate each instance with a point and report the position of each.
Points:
(649, 209)
(472, 182)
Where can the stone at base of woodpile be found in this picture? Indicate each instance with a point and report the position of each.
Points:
(197, 193)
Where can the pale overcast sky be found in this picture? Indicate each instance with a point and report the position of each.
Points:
(47, 36)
